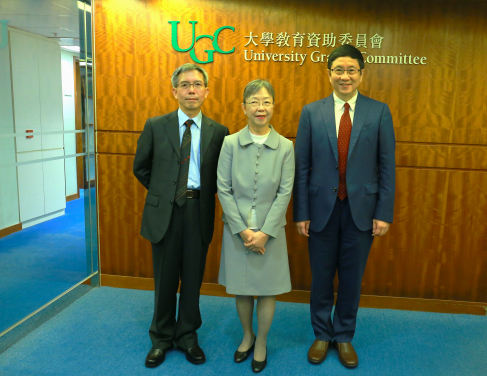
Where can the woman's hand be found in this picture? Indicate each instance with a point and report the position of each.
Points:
(247, 236)
(256, 242)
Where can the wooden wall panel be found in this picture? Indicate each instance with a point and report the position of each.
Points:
(117, 142)
(121, 199)
(466, 157)
(437, 246)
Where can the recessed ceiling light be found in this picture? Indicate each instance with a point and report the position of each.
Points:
(71, 48)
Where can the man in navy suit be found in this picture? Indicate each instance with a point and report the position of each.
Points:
(343, 197)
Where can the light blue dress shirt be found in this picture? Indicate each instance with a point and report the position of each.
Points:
(194, 162)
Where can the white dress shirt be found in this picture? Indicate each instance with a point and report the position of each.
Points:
(194, 161)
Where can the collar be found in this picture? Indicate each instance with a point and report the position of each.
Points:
(340, 103)
(272, 141)
(182, 117)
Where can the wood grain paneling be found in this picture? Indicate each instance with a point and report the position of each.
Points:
(464, 157)
(436, 250)
(117, 142)
(120, 203)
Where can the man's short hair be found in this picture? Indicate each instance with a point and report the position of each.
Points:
(254, 87)
(346, 50)
(186, 68)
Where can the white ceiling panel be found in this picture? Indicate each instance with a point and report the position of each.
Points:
(43, 17)
(69, 4)
(49, 32)
(40, 7)
(4, 12)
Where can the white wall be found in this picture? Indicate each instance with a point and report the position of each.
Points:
(67, 69)
(9, 199)
(35, 64)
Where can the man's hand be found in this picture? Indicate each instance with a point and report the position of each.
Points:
(303, 228)
(247, 236)
(380, 227)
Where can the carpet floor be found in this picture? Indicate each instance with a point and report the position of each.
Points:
(40, 262)
(105, 332)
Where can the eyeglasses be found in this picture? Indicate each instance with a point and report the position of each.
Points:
(340, 71)
(255, 104)
(186, 85)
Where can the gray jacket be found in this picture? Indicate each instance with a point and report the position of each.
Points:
(252, 175)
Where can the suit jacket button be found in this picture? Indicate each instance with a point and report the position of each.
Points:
(336, 167)
(170, 202)
(334, 189)
(247, 252)
(174, 181)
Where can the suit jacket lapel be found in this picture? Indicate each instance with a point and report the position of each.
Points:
(361, 111)
(328, 114)
(172, 130)
(206, 136)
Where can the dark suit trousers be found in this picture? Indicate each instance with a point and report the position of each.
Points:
(180, 254)
(339, 246)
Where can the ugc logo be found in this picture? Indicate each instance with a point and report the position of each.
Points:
(213, 38)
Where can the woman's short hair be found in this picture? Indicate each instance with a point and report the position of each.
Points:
(254, 87)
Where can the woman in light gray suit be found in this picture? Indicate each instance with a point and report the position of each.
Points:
(255, 181)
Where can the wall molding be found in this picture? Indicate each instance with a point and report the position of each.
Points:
(10, 230)
(72, 197)
(299, 296)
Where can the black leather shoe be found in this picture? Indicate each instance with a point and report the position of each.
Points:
(194, 355)
(155, 357)
(259, 366)
(241, 356)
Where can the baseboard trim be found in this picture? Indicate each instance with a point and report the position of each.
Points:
(10, 230)
(424, 305)
(135, 283)
(299, 296)
(43, 218)
(72, 197)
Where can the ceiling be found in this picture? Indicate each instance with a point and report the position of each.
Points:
(50, 18)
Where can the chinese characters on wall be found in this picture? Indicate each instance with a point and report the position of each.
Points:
(314, 40)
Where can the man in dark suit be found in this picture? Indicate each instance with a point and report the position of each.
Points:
(176, 160)
(343, 197)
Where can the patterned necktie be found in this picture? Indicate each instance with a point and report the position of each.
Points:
(344, 133)
(184, 156)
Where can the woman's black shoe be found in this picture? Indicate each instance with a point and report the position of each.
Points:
(240, 357)
(259, 366)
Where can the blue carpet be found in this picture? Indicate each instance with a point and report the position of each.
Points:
(41, 262)
(105, 332)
